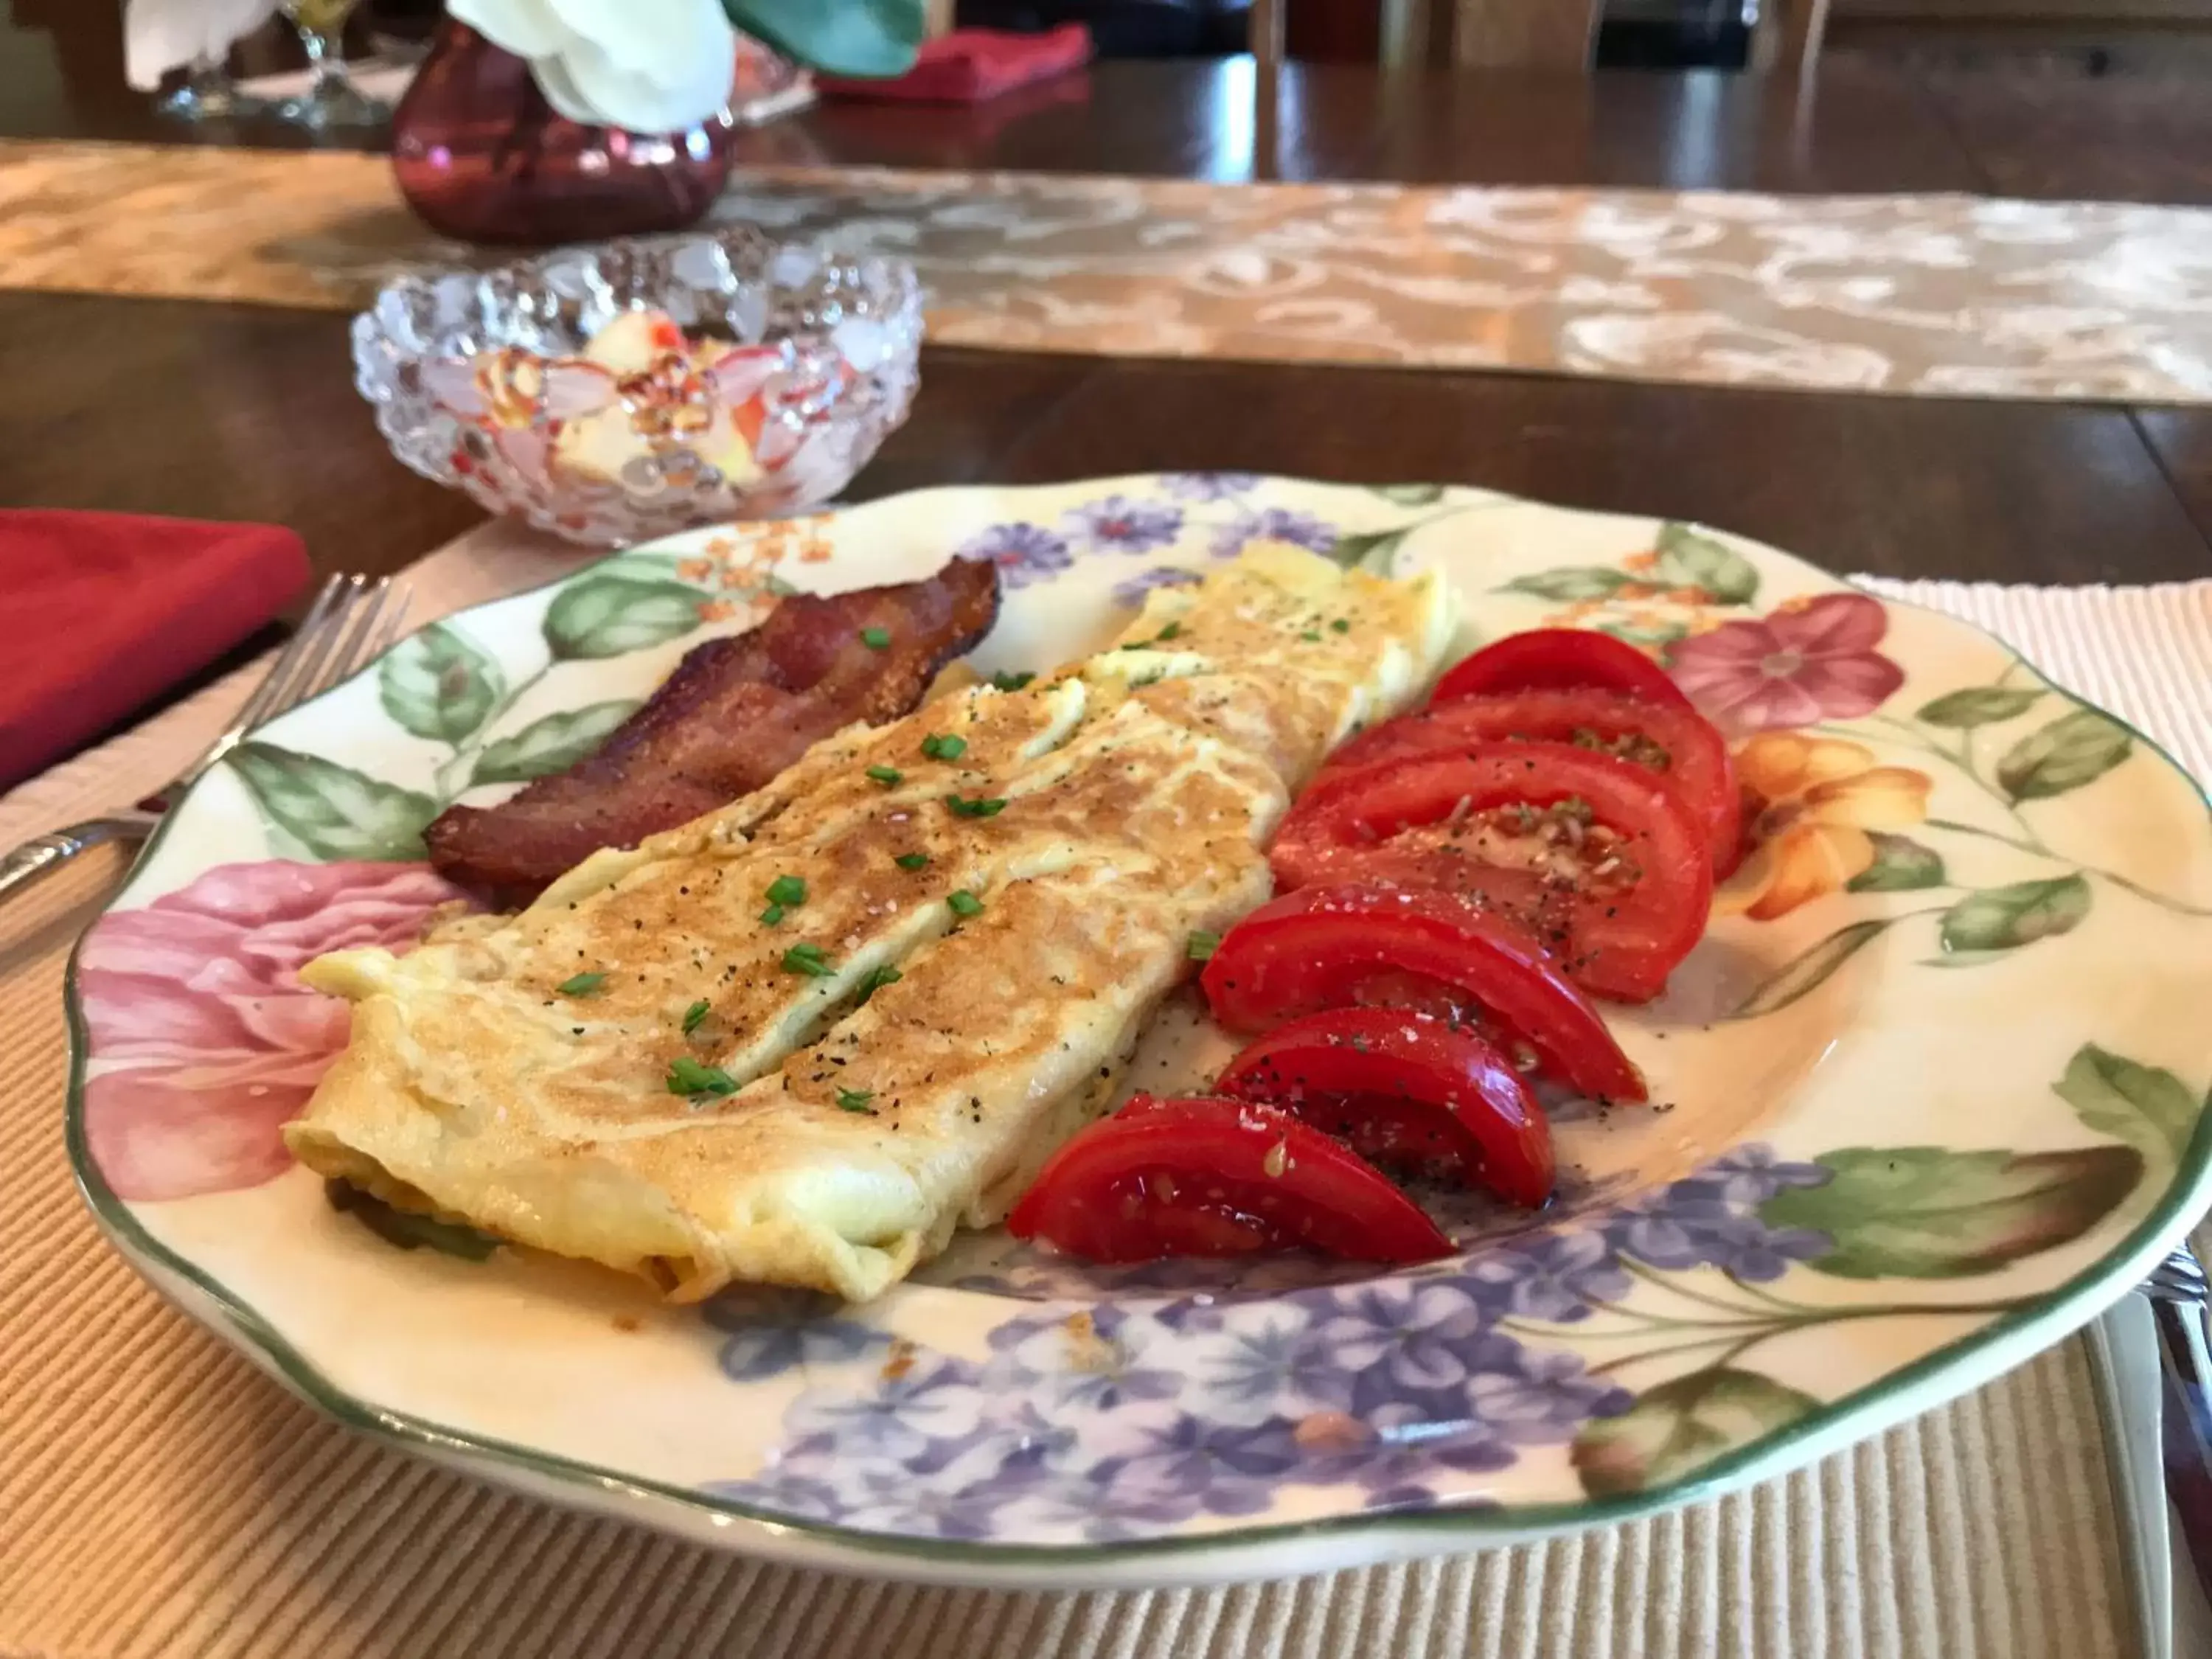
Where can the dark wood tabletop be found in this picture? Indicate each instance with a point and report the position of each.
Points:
(242, 411)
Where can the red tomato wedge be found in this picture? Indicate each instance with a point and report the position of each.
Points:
(1405, 1088)
(1622, 873)
(1560, 659)
(1362, 945)
(1217, 1177)
(1677, 744)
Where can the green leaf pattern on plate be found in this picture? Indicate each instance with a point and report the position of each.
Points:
(1901, 864)
(2019, 913)
(1713, 567)
(551, 744)
(2145, 1106)
(437, 685)
(2074, 750)
(609, 616)
(1570, 584)
(1930, 1212)
(1979, 705)
(1677, 1428)
(331, 811)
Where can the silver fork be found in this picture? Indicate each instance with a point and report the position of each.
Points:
(2178, 1303)
(351, 620)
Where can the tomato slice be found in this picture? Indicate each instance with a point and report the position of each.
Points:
(1677, 744)
(1404, 1087)
(1200, 1176)
(1560, 659)
(1616, 857)
(1358, 945)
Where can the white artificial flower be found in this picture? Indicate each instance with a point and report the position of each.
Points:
(645, 65)
(159, 35)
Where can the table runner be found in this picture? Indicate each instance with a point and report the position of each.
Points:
(1950, 295)
(159, 1496)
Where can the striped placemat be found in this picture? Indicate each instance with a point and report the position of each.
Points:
(159, 1496)
(1936, 295)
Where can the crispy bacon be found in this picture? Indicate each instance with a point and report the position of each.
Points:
(735, 713)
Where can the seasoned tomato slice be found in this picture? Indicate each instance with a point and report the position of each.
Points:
(1201, 1176)
(1365, 946)
(1677, 744)
(1405, 1088)
(1560, 659)
(1622, 873)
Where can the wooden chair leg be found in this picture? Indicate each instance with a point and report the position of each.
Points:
(1524, 33)
(1265, 29)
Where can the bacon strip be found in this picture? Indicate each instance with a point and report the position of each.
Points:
(735, 713)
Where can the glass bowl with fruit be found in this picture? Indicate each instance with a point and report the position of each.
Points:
(617, 392)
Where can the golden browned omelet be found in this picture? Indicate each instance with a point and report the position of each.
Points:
(674, 1064)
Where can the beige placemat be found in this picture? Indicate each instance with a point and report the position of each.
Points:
(1949, 296)
(158, 1495)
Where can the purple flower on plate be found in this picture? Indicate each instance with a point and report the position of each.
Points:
(1192, 1466)
(1132, 593)
(1085, 1361)
(1405, 1344)
(1024, 553)
(1710, 1219)
(1272, 524)
(774, 1332)
(1209, 486)
(1122, 524)
(1398, 1467)
(902, 1419)
(1541, 1398)
(1554, 1277)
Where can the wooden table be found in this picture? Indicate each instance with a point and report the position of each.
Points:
(241, 411)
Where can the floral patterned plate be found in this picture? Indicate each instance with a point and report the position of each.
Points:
(1930, 1094)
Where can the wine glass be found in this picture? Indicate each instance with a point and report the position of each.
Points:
(206, 94)
(332, 99)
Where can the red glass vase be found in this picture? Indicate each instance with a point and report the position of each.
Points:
(482, 156)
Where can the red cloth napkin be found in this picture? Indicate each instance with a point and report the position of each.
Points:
(100, 613)
(968, 66)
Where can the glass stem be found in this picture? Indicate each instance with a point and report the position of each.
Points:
(325, 57)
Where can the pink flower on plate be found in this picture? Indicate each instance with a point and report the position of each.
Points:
(1810, 660)
(195, 1005)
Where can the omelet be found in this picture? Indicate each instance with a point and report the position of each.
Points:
(803, 1039)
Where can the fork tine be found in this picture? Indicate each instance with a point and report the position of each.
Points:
(356, 642)
(307, 669)
(264, 700)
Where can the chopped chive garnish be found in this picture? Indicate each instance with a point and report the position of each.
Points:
(581, 985)
(1005, 682)
(943, 746)
(1341, 625)
(1201, 945)
(890, 776)
(1311, 636)
(875, 980)
(787, 891)
(1169, 632)
(876, 639)
(965, 903)
(772, 914)
(855, 1100)
(912, 860)
(687, 1076)
(809, 960)
(974, 806)
(697, 1011)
